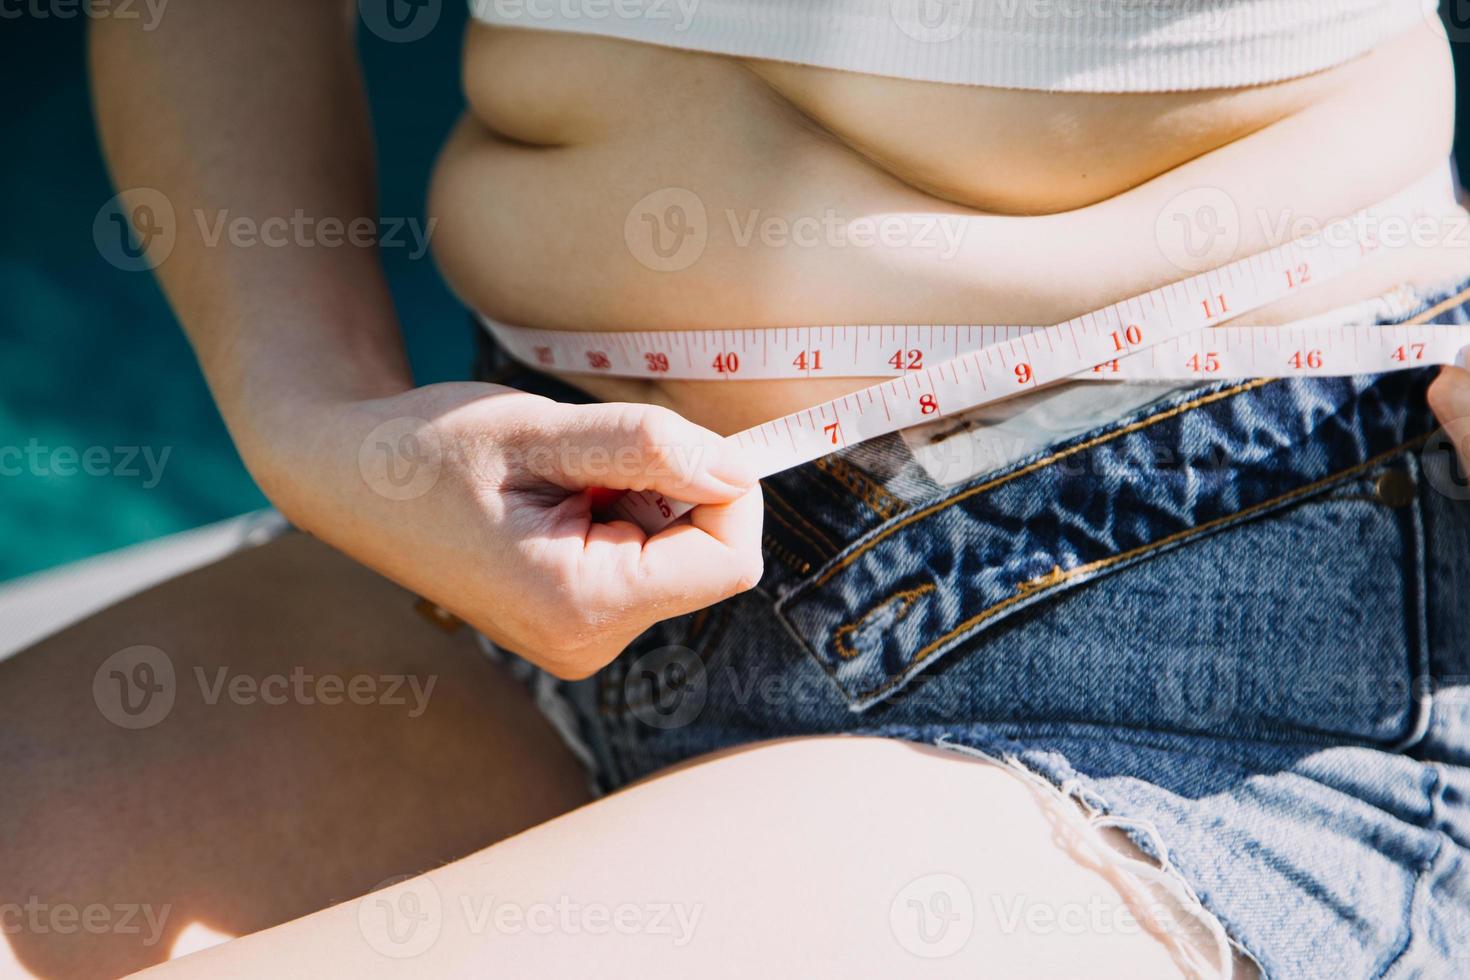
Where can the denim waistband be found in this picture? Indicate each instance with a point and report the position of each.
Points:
(878, 588)
(879, 579)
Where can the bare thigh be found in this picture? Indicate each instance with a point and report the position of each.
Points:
(817, 857)
(321, 737)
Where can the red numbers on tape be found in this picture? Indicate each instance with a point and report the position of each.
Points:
(1130, 336)
(911, 360)
(804, 362)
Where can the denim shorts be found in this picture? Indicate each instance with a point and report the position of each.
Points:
(1239, 617)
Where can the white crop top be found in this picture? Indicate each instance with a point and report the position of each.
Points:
(1047, 45)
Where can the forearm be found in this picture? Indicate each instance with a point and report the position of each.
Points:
(256, 111)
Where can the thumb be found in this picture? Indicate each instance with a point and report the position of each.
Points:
(623, 446)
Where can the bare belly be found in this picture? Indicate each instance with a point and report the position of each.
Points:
(808, 196)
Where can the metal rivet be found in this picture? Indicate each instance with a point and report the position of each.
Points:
(1395, 489)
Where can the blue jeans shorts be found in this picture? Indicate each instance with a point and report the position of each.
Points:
(1239, 617)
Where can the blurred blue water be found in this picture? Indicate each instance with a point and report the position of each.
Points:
(91, 358)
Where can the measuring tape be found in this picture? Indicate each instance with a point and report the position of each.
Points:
(1175, 332)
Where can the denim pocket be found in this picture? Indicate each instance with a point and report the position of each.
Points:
(1238, 560)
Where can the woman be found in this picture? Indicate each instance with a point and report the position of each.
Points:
(1161, 681)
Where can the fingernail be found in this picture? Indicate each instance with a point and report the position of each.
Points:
(730, 464)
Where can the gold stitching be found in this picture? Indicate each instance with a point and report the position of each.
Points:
(776, 514)
(1053, 577)
(793, 561)
(1430, 314)
(906, 600)
(1033, 467)
(775, 497)
(860, 485)
(848, 559)
(1144, 549)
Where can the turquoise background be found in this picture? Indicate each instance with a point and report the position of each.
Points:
(91, 356)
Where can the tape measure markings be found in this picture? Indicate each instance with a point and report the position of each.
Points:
(940, 370)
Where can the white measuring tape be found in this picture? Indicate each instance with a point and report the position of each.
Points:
(1174, 332)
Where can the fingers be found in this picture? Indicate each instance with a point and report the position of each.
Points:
(609, 582)
(714, 556)
(1449, 396)
(642, 447)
